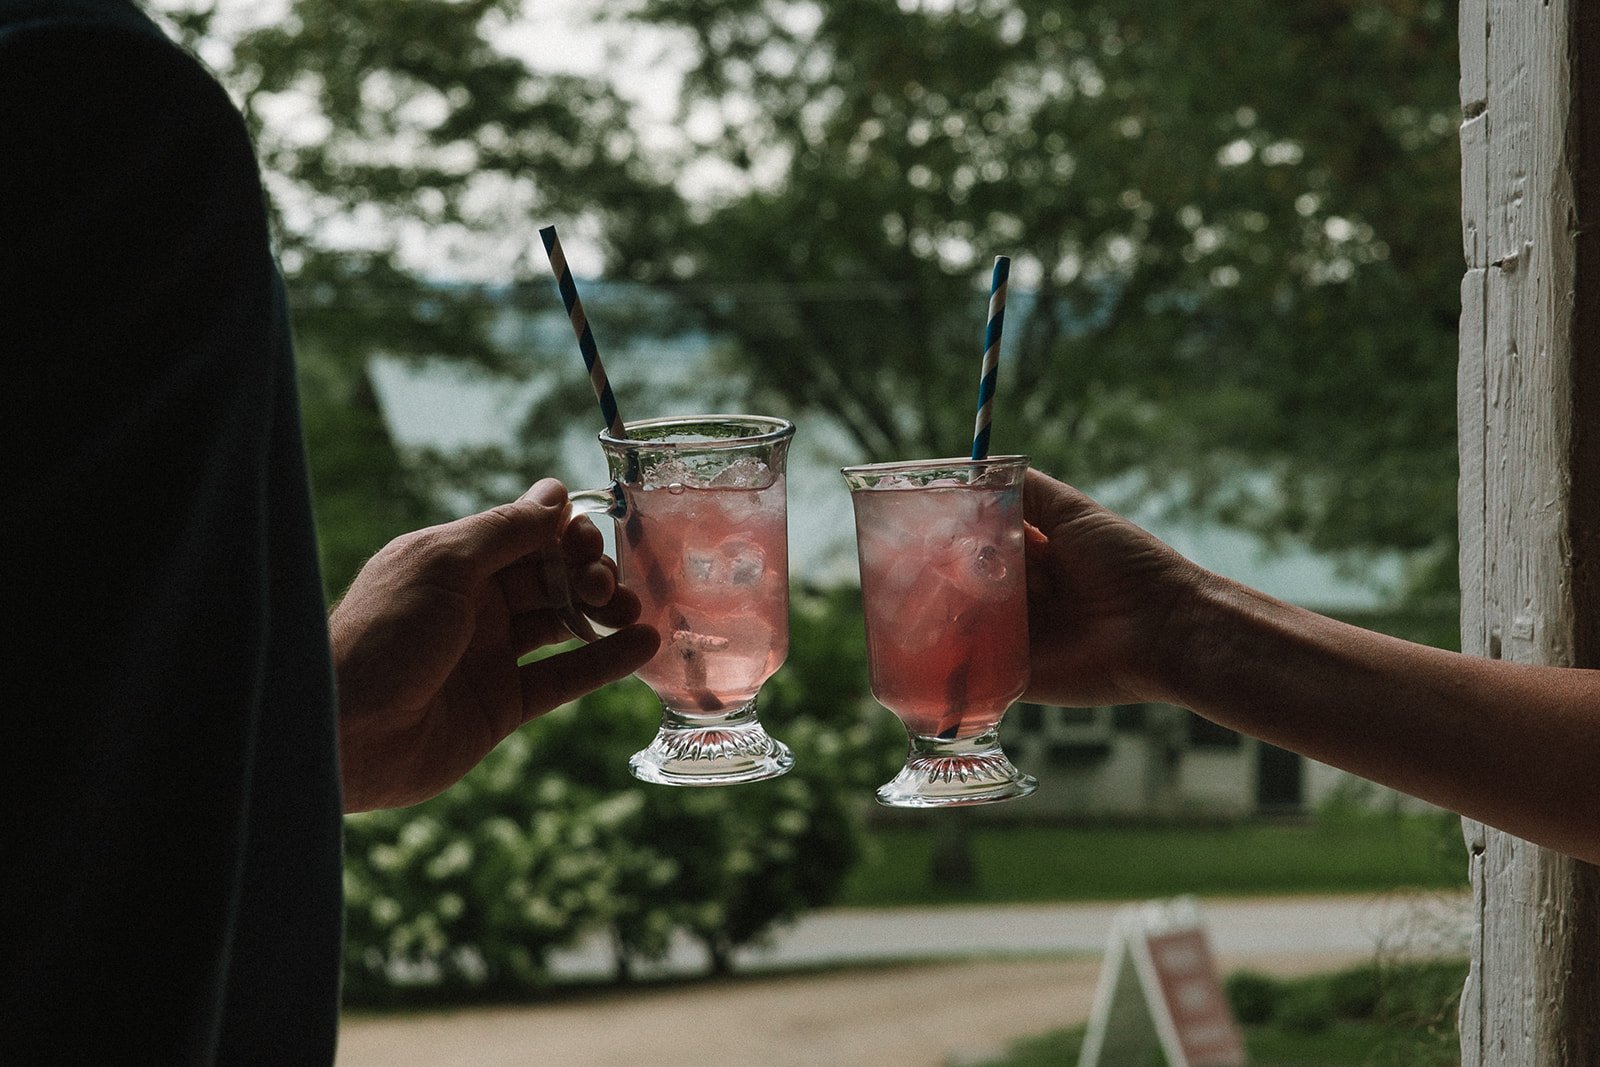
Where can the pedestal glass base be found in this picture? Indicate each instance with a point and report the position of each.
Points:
(723, 749)
(942, 774)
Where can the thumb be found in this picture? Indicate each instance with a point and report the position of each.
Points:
(494, 539)
(1049, 504)
(548, 492)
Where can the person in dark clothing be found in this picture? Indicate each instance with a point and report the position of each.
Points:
(171, 763)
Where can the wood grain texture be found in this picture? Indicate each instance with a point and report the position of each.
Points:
(1530, 488)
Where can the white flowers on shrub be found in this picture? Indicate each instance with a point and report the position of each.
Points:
(791, 822)
(612, 812)
(550, 840)
(545, 830)
(419, 834)
(385, 911)
(543, 915)
(454, 858)
(385, 858)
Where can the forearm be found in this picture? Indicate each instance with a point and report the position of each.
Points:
(1512, 745)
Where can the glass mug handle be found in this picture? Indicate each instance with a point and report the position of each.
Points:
(607, 501)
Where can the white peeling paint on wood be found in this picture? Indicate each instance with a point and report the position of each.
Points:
(1471, 430)
(1473, 20)
(1530, 999)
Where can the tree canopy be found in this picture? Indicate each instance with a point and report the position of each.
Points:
(1234, 227)
(1234, 233)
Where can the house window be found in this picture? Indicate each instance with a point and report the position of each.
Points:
(1203, 733)
(1128, 718)
(1029, 718)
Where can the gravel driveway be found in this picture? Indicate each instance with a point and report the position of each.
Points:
(934, 1013)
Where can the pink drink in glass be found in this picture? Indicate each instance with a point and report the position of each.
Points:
(711, 565)
(702, 538)
(947, 617)
(944, 588)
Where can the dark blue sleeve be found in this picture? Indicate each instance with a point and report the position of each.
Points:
(145, 410)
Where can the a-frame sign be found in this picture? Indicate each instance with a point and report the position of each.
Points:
(1160, 995)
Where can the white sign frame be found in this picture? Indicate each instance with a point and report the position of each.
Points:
(1131, 1017)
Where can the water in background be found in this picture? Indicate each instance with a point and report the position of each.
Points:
(441, 407)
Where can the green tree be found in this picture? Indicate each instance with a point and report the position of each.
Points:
(1235, 282)
(376, 122)
(409, 160)
(1234, 227)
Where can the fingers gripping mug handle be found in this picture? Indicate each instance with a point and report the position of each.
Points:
(607, 501)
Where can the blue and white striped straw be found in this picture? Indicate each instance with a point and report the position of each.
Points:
(580, 326)
(991, 357)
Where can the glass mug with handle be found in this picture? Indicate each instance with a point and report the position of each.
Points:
(943, 584)
(700, 508)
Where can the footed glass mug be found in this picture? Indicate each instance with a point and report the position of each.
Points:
(702, 536)
(942, 581)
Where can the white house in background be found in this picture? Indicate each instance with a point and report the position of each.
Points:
(1149, 760)
(1159, 761)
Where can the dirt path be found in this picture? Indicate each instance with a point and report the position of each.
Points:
(926, 1015)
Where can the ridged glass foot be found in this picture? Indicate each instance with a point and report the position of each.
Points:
(941, 774)
(723, 749)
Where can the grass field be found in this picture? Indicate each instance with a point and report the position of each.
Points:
(1034, 864)
(1371, 1016)
(1343, 1044)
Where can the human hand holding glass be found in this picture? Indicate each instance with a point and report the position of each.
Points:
(429, 643)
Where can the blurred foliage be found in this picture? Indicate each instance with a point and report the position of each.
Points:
(1254, 997)
(365, 491)
(1234, 228)
(381, 127)
(1410, 1023)
(551, 838)
(1413, 1001)
(1234, 232)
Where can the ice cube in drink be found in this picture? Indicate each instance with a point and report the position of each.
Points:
(710, 563)
(942, 583)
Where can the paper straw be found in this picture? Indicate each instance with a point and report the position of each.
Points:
(991, 357)
(956, 685)
(580, 326)
(591, 359)
(655, 581)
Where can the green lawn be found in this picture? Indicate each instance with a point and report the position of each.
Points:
(1033, 864)
(1344, 1044)
(1372, 1016)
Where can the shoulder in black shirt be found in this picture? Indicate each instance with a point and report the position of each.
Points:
(170, 839)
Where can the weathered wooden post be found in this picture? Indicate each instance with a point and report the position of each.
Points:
(1530, 482)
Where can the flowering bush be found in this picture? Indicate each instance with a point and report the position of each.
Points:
(551, 838)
